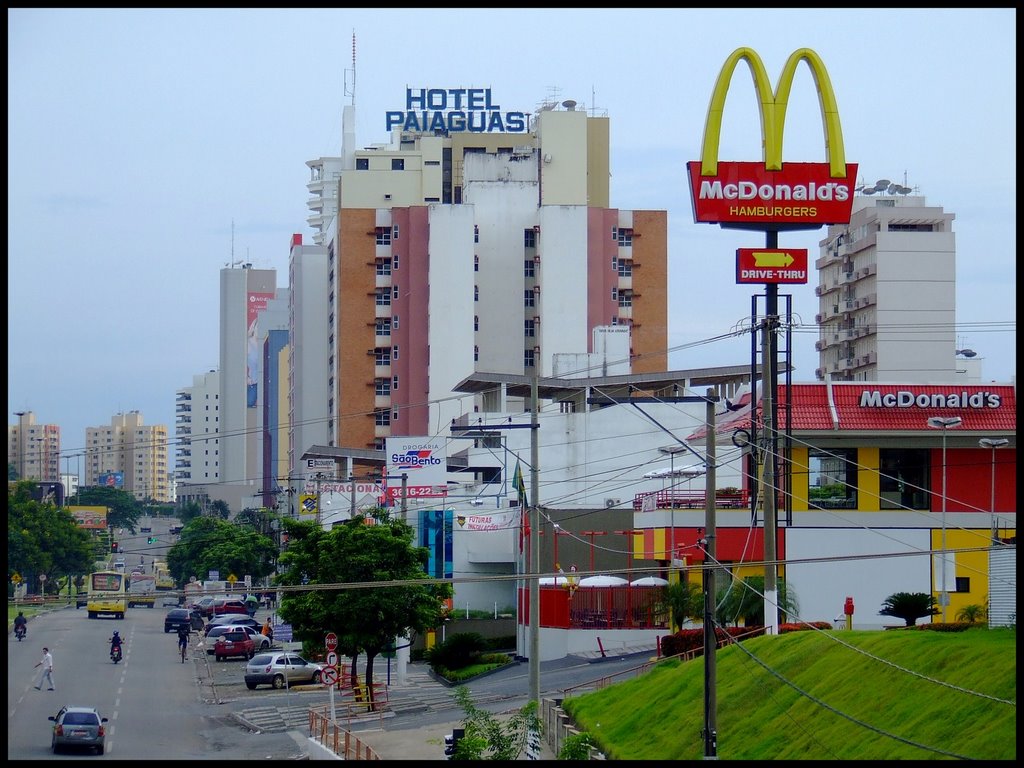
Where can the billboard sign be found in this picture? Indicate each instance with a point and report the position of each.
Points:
(454, 110)
(111, 480)
(423, 460)
(90, 518)
(255, 303)
(772, 193)
(771, 265)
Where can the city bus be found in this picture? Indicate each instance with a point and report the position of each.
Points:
(108, 594)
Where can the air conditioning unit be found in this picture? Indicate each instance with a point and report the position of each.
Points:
(609, 503)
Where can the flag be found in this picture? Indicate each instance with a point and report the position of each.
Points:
(517, 481)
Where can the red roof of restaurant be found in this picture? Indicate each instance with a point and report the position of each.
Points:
(856, 406)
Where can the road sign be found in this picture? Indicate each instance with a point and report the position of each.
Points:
(771, 265)
(16, 577)
(42, 577)
(331, 641)
(329, 675)
(331, 659)
(232, 578)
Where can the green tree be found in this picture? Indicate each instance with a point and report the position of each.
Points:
(371, 547)
(220, 509)
(744, 599)
(684, 601)
(909, 606)
(190, 511)
(577, 747)
(209, 544)
(42, 539)
(486, 737)
(123, 509)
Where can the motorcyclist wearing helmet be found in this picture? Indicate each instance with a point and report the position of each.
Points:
(20, 624)
(115, 643)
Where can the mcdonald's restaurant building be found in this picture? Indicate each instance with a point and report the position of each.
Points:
(861, 510)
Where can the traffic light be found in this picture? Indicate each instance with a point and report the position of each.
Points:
(151, 540)
(451, 741)
(113, 546)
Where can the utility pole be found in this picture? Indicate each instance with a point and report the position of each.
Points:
(534, 555)
(710, 732)
(317, 477)
(405, 499)
(770, 495)
(352, 498)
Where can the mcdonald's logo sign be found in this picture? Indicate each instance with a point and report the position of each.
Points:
(772, 193)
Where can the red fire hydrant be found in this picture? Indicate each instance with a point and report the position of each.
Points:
(848, 611)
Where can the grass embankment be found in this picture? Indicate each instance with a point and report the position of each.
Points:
(895, 695)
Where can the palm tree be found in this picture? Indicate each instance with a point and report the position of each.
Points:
(909, 606)
(684, 601)
(744, 599)
(971, 614)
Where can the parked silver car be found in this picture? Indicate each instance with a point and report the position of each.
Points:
(279, 670)
(75, 726)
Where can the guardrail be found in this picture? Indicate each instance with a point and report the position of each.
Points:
(340, 741)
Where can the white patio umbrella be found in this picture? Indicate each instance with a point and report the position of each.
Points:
(650, 581)
(602, 581)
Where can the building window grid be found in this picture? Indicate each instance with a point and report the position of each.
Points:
(383, 235)
(529, 270)
(528, 300)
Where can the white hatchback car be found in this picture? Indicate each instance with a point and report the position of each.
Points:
(262, 641)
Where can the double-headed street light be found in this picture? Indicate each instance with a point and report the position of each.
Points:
(944, 423)
(993, 443)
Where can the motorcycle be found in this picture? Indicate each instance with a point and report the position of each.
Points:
(19, 632)
(115, 654)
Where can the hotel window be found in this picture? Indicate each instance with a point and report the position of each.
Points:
(394, 292)
(625, 268)
(529, 238)
(528, 358)
(476, 233)
(382, 417)
(476, 263)
(394, 232)
(528, 268)
(625, 237)
(382, 356)
(529, 329)
(383, 297)
(383, 235)
(383, 326)
(397, 164)
(394, 383)
(362, 163)
(527, 298)
(832, 478)
(383, 266)
(394, 259)
(394, 322)
(476, 293)
(625, 299)
(394, 352)
(476, 322)
(476, 354)
(382, 387)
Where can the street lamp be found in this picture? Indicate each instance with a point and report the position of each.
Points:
(993, 443)
(944, 423)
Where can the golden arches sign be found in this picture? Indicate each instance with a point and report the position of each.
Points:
(773, 192)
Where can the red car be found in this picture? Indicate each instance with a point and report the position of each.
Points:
(222, 606)
(234, 643)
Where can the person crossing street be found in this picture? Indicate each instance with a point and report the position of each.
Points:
(47, 665)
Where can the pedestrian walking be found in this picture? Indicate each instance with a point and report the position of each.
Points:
(268, 630)
(47, 665)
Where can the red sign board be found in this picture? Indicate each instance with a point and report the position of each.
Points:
(417, 491)
(331, 641)
(797, 195)
(771, 265)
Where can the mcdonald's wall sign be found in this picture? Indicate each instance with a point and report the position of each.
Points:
(772, 193)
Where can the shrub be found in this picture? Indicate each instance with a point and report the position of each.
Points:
(458, 651)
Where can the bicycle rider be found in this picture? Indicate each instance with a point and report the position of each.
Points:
(183, 633)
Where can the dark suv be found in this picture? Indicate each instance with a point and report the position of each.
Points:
(182, 617)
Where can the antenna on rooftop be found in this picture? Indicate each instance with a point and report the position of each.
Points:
(350, 90)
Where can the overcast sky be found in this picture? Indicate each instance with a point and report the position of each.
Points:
(149, 148)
